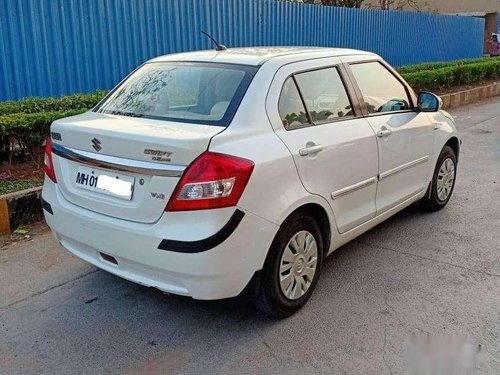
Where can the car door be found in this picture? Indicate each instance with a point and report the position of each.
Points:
(404, 135)
(334, 148)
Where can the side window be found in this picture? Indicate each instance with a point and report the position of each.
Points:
(290, 106)
(324, 95)
(382, 92)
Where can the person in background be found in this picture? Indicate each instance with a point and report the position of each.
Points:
(493, 46)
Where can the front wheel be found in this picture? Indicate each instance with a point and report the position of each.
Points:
(292, 267)
(443, 181)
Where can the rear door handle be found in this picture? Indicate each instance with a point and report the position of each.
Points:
(384, 132)
(310, 150)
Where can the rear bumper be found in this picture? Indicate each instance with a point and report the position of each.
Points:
(221, 269)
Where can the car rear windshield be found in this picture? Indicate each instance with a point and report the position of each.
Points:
(200, 93)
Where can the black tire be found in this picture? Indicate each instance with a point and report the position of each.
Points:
(269, 297)
(431, 201)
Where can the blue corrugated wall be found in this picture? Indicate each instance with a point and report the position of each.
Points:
(56, 47)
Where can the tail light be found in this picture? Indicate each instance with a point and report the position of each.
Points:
(48, 167)
(213, 180)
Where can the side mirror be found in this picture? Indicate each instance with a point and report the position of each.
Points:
(428, 102)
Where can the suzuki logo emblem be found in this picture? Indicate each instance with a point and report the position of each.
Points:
(96, 144)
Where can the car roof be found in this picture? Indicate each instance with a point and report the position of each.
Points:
(259, 55)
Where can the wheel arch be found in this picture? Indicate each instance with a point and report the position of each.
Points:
(454, 143)
(320, 215)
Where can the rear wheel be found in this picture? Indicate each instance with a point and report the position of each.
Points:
(292, 267)
(443, 181)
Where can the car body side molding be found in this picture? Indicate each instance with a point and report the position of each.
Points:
(403, 167)
(353, 188)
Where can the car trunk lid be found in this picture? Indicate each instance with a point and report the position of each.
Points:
(141, 161)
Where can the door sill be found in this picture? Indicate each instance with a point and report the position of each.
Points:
(402, 200)
(343, 238)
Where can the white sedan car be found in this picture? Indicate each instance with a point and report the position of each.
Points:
(209, 173)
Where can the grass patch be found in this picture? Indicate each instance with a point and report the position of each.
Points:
(10, 186)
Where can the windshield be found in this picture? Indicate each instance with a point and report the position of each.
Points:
(202, 93)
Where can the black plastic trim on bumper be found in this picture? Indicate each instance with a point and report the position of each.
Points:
(46, 206)
(207, 243)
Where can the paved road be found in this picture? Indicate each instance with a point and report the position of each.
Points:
(436, 273)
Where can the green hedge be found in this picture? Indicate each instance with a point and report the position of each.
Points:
(24, 124)
(453, 75)
(25, 132)
(65, 103)
(437, 65)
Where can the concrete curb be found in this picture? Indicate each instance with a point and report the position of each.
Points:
(20, 207)
(460, 98)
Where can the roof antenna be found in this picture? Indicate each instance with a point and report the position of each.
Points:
(219, 47)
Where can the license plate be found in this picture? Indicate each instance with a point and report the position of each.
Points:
(105, 182)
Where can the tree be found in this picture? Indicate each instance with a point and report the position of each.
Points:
(416, 5)
(343, 3)
(334, 3)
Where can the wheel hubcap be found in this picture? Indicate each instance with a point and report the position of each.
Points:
(445, 179)
(298, 265)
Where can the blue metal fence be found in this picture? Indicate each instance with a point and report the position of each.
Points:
(56, 47)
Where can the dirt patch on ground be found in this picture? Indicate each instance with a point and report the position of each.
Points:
(173, 361)
(49, 259)
(25, 233)
(20, 175)
(21, 171)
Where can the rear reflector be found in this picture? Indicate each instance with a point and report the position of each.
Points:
(48, 166)
(109, 258)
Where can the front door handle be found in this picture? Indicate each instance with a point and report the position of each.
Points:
(384, 132)
(310, 149)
